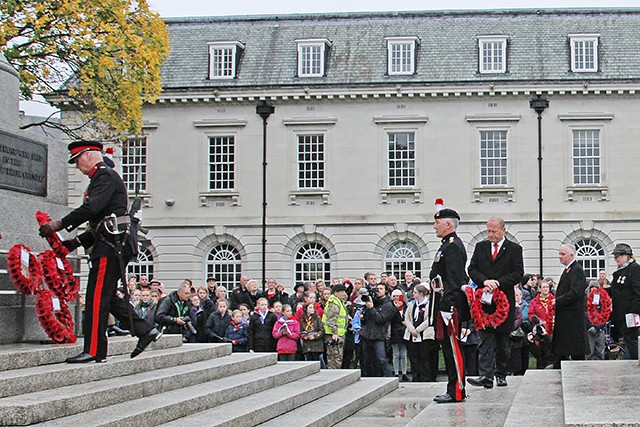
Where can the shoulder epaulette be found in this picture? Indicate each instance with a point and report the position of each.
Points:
(452, 239)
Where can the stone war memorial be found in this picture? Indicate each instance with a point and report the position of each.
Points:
(33, 176)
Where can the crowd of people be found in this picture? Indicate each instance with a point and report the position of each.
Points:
(386, 326)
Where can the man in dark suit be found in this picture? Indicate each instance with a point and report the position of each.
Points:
(496, 264)
(570, 332)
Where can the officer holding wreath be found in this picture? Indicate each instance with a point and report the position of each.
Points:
(105, 208)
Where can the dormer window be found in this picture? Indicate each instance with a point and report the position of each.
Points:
(312, 57)
(492, 54)
(223, 59)
(401, 55)
(584, 52)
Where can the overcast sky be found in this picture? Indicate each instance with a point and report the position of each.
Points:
(180, 8)
(168, 8)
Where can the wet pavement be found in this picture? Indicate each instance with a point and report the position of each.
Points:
(585, 393)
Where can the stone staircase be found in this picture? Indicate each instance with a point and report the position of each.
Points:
(175, 384)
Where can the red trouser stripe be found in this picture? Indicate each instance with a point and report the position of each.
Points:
(97, 299)
(457, 354)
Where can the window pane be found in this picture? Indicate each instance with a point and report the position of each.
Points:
(134, 164)
(402, 257)
(493, 158)
(590, 254)
(586, 157)
(222, 163)
(401, 159)
(310, 161)
(312, 263)
(224, 264)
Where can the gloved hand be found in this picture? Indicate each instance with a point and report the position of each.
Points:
(47, 229)
(71, 244)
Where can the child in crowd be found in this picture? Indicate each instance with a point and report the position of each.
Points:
(238, 332)
(277, 309)
(190, 335)
(311, 333)
(261, 328)
(287, 331)
(246, 312)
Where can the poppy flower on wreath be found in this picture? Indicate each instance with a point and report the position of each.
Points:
(482, 319)
(54, 240)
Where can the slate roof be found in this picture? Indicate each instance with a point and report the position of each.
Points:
(448, 53)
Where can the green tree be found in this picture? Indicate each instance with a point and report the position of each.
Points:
(104, 56)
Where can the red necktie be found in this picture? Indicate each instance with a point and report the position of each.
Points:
(495, 251)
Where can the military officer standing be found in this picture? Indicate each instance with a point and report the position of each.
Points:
(449, 265)
(105, 200)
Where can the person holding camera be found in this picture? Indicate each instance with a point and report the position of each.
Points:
(172, 310)
(378, 313)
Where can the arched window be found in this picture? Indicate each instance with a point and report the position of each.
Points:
(224, 263)
(402, 257)
(591, 256)
(312, 263)
(143, 265)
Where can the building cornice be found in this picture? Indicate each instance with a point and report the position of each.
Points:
(395, 92)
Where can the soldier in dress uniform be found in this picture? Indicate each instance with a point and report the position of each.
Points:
(105, 208)
(449, 264)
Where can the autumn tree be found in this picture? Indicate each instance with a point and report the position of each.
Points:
(103, 56)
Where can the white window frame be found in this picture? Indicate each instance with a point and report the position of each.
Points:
(406, 63)
(230, 60)
(308, 67)
(578, 65)
(312, 262)
(224, 263)
(596, 160)
(500, 176)
(231, 183)
(311, 163)
(410, 161)
(496, 62)
(134, 164)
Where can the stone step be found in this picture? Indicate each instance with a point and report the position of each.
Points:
(18, 356)
(190, 398)
(259, 407)
(538, 402)
(46, 377)
(601, 392)
(336, 406)
(79, 398)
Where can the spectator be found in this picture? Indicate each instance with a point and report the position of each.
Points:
(392, 285)
(240, 294)
(595, 332)
(542, 306)
(517, 342)
(407, 285)
(221, 293)
(271, 294)
(144, 282)
(173, 308)
(626, 296)
(246, 313)
(205, 301)
(254, 293)
(525, 284)
(237, 332)
(320, 287)
(521, 348)
(602, 279)
(287, 331)
(570, 332)
(398, 347)
(309, 297)
(311, 333)
(277, 309)
(420, 321)
(191, 334)
(324, 297)
(218, 322)
(147, 307)
(335, 326)
(212, 285)
(261, 328)
(298, 293)
(378, 312)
